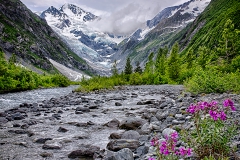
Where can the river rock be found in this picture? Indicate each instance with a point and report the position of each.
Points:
(168, 132)
(17, 116)
(61, 129)
(115, 136)
(116, 145)
(142, 150)
(162, 115)
(131, 123)
(130, 135)
(42, 140)
(124, 154)
(84, 151)
(3, 120)
(113, 123)
(118, 104)
(52, 145)
(83, 109)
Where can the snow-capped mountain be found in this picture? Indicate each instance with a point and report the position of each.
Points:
(188, 13)
(71, 23)
(159, 31)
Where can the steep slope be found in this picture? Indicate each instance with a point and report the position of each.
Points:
(206, 30)
(71, 23)
(32, 40)
(159, 32)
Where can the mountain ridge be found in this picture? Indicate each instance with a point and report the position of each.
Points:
(29, 37)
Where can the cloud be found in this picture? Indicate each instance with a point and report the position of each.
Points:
(128, 18)
(117, 16)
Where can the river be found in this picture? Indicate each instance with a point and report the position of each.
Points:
(11, 100)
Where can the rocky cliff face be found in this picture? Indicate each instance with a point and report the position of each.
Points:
(32, 40)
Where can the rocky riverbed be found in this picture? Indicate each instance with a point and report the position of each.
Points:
(109, 125)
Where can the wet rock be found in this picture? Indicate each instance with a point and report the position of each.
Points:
(56, 116)
(17, 116)
(16, 125)
(118, 104)
(131, 123)
(113, 123)
(115, 136)
(3, 114)
(93, 106)
(124, 154)
(46, 154)
(24, 126)
(61, 129)
(52, 145)
(116, 145)
(30, 122)
(18, 131)
(78, 112)
(24, 144)
(42, 140)
(83, 109)
(130, 135)
(3, 120)
(84, 151)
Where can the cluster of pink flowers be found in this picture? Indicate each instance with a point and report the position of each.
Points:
(168, 146)
(213, 109)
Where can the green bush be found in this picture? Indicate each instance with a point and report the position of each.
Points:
(213, 81)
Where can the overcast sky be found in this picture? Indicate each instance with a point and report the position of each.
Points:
(118, 16)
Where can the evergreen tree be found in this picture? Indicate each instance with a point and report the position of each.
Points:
(229, 44)
(160, 65)
(203, 56)
(114, 68)
(189, 58)
(138, 69)
(173, 64)
(128, 67)
(149, 68)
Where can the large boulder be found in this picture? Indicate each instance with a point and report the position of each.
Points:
(132, 123)
(124, 154)
(116, 145)
(84, 151)
(130, 135)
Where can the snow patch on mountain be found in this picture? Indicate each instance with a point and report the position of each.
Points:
(196, 7)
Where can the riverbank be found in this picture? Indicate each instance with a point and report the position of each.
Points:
(99, 125)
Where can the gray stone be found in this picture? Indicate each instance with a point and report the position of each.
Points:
(84, 151)
(146, 128)
(131, 123)
(130, 135)
(176, 122)
(124, 154)
(118, 104)
(61, 129)
(17, 116)
(142, 150)
(3, 120)
(113, 123)
(83, 109)
(179, 116)
(116, 145)
(163, 105)
(167, 132)
(52, 145)
(42, 140)
(115, 136)
(153, 119)
(162, 115)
